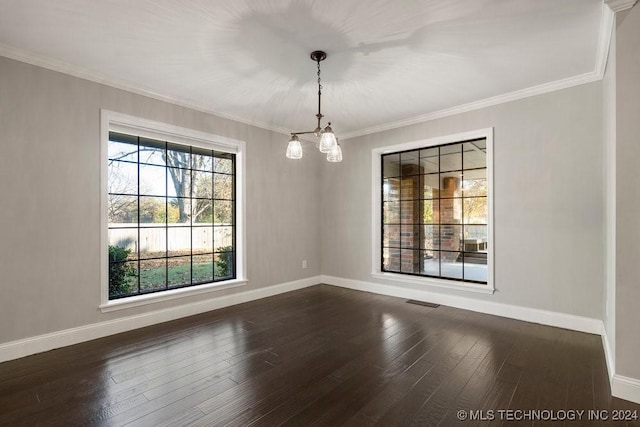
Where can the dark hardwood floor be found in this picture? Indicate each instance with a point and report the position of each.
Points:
(319, 356)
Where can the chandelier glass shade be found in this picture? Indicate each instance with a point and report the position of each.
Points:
(327, 140)
(335, 155)
(328, 143)
(294, 149)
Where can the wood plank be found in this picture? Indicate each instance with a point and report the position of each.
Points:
(318, 356)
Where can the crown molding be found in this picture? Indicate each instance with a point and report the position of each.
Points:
(604, 40)
(96, 77)
(606, 28)
(476, 105)
(620, 5)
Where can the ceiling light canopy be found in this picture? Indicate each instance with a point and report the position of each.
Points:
(328, 142)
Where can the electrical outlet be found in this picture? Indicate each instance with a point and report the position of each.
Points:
(304, 263)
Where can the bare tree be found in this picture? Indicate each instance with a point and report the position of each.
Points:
(187, 185)
(178, 163)
(121, 208)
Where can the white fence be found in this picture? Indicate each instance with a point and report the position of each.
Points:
(176, 237)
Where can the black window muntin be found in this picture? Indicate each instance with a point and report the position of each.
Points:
(399, 224)
(230, 256)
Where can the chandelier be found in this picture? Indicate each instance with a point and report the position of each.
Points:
(328, 142)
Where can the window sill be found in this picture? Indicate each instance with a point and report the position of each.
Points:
(172, 294)
(432, 282)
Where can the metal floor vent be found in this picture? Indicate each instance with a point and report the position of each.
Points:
(426, 304)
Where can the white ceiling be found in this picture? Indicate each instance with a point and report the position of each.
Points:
(389, 62)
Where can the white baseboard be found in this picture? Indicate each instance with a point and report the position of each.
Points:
(625, 388)
(609, 355)
(621, 386)
(25, 347)
(544, 317)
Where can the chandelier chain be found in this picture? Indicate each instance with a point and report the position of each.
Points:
(328, 142)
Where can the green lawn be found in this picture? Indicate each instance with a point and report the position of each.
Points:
(155, 277)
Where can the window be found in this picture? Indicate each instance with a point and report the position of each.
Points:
(172, 210)
(434, 209)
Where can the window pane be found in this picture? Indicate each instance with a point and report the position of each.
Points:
(474, 155)
(430, 210)
(123, 279)
(223, 265)
(202, 238)
(410, 187)
(153, 180)
(430, 263)
(429, 160)
(178, 156)
(202, 184)
(450, 237)
(202, 211)
(475, 266)
(222, 187)
(222, 238)
(391, 165)
(152, 152)
(451, 157)
(124, 150)
(203, 268)
(179, 271)
(410, 212)
(223, 212)
(153, 275)
(391, 236)
(223, 163)
(450, 211)
(122, 209)
(153, 210)
(123, 178)
(201, 159)
(451, 265)
(411, 261)
(153, 242)
(178, 182)
(476, 233)
(474, 183)
(179, 242)
(430, 186)
(391, 259)
(480, 143)
(430, 237)
(450, 185)
(391, 189)
(410, 163)
(475, 210)
(125, 242)
(391, 212)
(179, 211)
(410, 236)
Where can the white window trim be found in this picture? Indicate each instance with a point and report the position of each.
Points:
(376, 219)
(113, 121)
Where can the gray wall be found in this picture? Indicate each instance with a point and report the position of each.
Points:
(627, 193)
(50, 199)
(548, 200)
